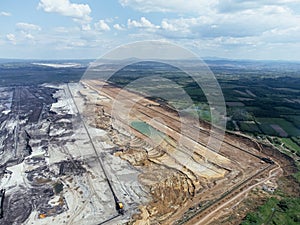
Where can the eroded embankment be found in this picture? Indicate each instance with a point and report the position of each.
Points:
(177, 175)
(173, 174)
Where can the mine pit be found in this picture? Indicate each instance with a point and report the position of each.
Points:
(90, 164)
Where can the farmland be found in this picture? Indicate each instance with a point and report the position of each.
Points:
(285, 211)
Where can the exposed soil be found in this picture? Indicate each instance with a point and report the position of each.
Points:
(177, 178)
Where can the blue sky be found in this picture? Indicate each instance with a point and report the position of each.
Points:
(239, 29)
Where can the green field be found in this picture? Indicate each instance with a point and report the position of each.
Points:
(249, 127)
(275, 211)
(287, 126)
(290, 144)
(203, 111)
(267, 130)
(295, 119)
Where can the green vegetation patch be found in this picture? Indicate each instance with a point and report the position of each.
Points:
(295, 119)
(203, 111)
(275, 211)
(285, 110)
(287, 126)
(250, 127)
(296, 140)
(297, 175)
(290, 144)
(204, 115)
(267, 129)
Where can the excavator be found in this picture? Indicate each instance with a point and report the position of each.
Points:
(119, 207)
(119, 204)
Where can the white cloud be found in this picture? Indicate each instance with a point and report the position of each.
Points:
(231, 6)
(288, 35)
(118, 27)
(229, 27)
(11, 38)
(66, 30)
(142, 23)
(275, 9)
(86, 27)
(185, 25)
(204, 7)
(25, 32)
(28, 36)
(288, 1)
(66, 8)
(5, 14)
(28, 27)
(238, 24)
(195, 6)
(77, 43)
(168, 26)
(102, 26)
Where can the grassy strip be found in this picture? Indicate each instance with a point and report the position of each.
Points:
(290, 144)
(276, 211)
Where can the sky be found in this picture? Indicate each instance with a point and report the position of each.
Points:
(87, 29)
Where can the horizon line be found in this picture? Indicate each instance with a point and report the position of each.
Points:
(208, 58)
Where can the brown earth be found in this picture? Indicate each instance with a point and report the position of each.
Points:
(177, 174)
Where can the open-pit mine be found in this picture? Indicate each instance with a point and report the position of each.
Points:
(94, 153)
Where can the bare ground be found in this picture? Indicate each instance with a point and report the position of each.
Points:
(178, 175)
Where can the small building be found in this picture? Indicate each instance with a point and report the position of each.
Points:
(268, 187)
